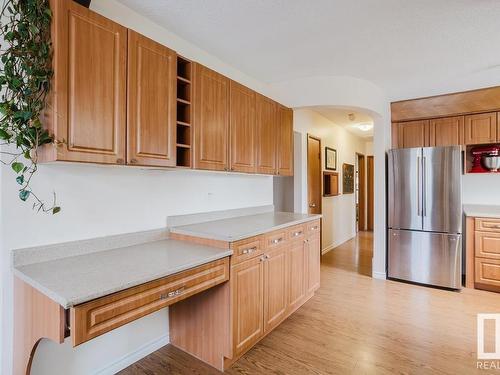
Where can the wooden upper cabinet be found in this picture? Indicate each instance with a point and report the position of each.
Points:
(266, 135)
(211, 119)
(412, 134)
(481, 128)
(446, 131)
(285, 141)
(151, 126)
(242, 128)
(90, 83)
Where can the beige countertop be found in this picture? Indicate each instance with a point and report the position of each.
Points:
(476, 210)
(76, 279)
(238, 228)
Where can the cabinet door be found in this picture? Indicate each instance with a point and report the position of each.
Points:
(413, 134)
(211, 119)
(275, 288)
(90, 80)
(242, 128)
(447, 131)
(247, 285)
(266, 135)
(151, 102)
(313, 255)
(285, 141)
(296, 273)
(481, 128)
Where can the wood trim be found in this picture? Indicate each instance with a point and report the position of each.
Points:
(35, 317)
(361, 191)
(200, 241)
(370, 198)
(320, 198)
(469, 252)
(453, 104)
(94, 318)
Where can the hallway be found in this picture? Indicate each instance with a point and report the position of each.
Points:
(354, 255)
(357, 325)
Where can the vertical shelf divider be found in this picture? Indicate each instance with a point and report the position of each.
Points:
(184, 115)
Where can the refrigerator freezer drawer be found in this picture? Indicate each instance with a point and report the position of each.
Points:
(426, 258)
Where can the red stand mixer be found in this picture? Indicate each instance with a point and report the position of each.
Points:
(478, 153)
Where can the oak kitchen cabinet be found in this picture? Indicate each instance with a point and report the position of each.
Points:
(481, 128)
(151, 125)
(89, 118)
(211, 119)
(285, 141)
(411, 134)
(120, 98)
(266, 135)
(446, 131)
(242, 128)
(272, 275)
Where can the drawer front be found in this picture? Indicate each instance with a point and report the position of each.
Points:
(104, 314)
(313, 227)
(487, 244)
(488, 225)
(488, 271)
(246, 249)
(275, 239)
(297, 232)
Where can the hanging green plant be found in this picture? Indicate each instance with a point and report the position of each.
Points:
(25, 78)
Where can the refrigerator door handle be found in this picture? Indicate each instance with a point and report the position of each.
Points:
(424, 187)
(419, 188)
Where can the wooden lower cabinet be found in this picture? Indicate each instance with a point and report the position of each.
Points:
(271, 276)
(275, 287)
(247, 288)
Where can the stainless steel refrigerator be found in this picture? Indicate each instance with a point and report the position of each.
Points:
(425, 216)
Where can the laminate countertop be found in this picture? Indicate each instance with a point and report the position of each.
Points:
(476, 210)
(76, 279)
(238, 228)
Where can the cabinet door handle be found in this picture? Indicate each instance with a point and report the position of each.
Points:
(249, 250)
(277, 240)
(314, 228)
(306, 241)
(493, 226)
(295, 234)
(120, 161)
(133, 161)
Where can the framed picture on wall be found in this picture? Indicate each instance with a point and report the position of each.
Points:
(347, 178)
(330, 159)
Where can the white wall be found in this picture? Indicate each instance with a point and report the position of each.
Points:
(99, 201)
(339, 216)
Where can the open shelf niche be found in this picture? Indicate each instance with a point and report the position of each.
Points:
(184, 112)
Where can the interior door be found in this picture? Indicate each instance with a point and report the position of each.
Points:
(314, 174)
(442, 198)
(405, 189)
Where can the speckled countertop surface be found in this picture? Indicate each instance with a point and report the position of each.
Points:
(77, 279)
(477, 210)
(241, 227)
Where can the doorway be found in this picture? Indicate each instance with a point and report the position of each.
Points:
(360, 193)
(313, 174)
(370, 174)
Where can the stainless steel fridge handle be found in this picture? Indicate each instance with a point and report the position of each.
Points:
(424, 187)
(419, 186)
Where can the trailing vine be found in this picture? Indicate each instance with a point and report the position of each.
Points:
(25, 78)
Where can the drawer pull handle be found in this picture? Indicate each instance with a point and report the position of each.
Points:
(314, 228)
(249, 250)
(496, 226)
(173, 293)
(277, 240)
(297, 233)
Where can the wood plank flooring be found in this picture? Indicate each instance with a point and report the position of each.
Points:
(358, 325)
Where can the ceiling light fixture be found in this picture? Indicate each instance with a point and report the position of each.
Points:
(364, 127)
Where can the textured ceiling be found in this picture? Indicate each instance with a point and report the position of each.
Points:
(402, 46)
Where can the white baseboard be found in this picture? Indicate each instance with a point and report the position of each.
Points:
(379, 275)
(134, 356)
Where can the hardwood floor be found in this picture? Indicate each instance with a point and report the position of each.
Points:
(358, 325)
